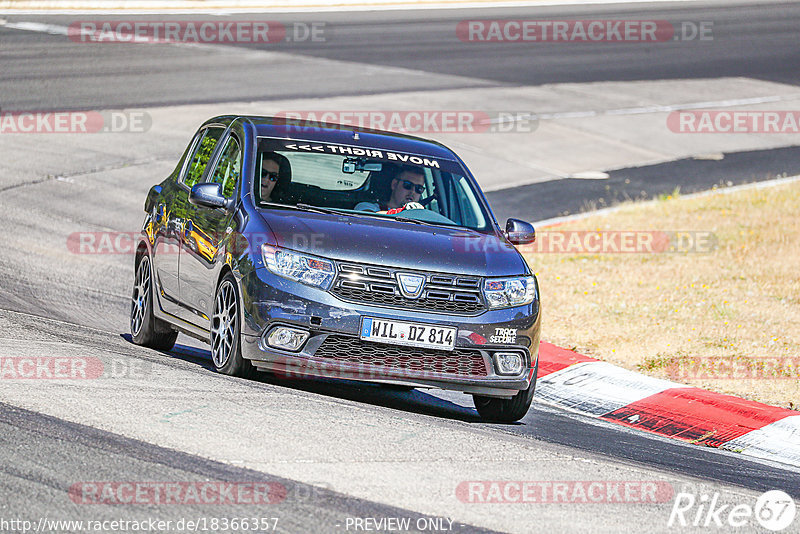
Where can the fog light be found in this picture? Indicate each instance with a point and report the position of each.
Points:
(508, 363)
(284, 338)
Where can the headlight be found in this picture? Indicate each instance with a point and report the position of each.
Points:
(507, 292)
(308, 270)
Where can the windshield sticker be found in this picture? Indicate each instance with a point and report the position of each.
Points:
(366, 152)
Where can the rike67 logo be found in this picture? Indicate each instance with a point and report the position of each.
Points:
(774, 510)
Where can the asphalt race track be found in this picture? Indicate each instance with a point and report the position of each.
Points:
(340, 451)
(749, 40)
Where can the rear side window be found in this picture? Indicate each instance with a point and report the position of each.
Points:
(228, 168)
(203, 149)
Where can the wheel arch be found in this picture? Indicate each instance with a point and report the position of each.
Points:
(225, 270)
(141, 250)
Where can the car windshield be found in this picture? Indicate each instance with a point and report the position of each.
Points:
(366, 182)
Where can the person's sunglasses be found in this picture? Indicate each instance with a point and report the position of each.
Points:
(411, 185)
(271, 176)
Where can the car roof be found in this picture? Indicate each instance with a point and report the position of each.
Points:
(283, 128)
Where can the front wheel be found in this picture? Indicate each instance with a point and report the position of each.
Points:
(146, 328)
(226, 349)
(506, 410)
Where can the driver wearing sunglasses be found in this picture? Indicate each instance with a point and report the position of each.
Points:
(406, 189)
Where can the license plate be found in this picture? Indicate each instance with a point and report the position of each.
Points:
(411, 334)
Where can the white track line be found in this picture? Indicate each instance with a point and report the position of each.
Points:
(28, 7)
(36, 27)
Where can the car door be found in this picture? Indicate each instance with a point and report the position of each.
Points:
(205, 231)
(168, 230)
(178, 216)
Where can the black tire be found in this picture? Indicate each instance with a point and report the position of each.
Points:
(506, 410)
(146, 329)
(225, 337)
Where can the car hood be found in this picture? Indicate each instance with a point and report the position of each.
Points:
(397, 244)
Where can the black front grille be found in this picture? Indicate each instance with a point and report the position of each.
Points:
(351, 350)
(379, 286)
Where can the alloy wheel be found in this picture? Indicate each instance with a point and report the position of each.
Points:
(141, 295)
(223, 324)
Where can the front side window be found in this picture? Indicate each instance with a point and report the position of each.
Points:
(229, 167)
(202, 154)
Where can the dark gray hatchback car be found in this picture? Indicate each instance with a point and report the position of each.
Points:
(324, 251)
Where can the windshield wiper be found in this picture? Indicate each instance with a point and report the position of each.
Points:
(328, 211)
(264, 203)
(302, 207)
(417, 221)
(317, 209)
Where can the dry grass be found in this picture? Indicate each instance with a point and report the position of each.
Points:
(708, 319)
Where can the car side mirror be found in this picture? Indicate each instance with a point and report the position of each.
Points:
(209, 196)
(520, 232)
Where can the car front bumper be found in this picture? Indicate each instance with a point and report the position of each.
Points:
(334, 349)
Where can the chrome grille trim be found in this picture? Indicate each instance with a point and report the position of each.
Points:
(443, 293)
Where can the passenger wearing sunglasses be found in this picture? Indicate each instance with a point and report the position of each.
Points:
(406, 189)
(270, 174)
